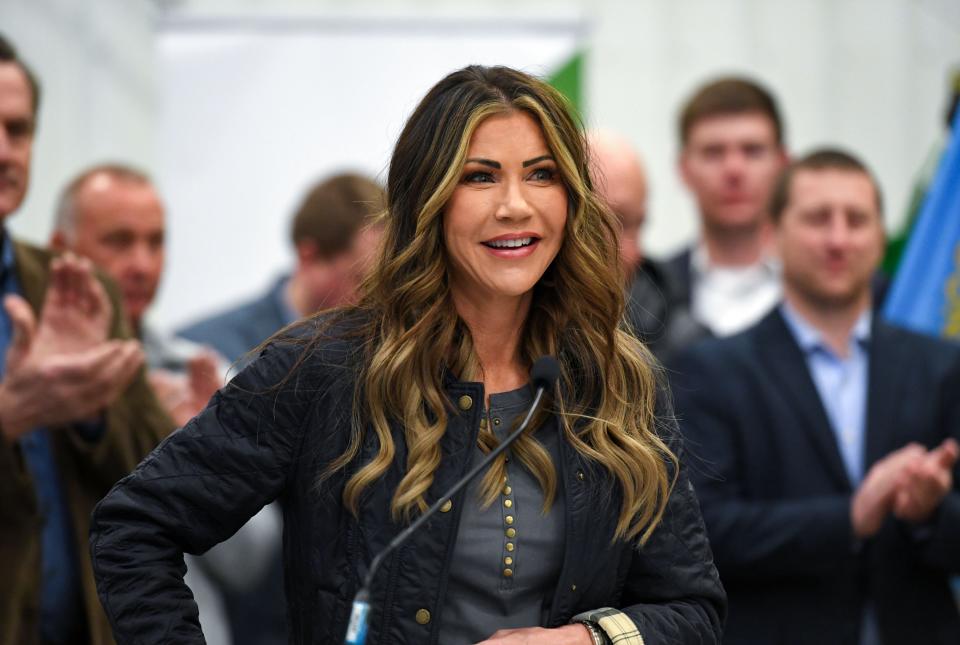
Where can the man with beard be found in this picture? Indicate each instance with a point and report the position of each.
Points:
(828, 439)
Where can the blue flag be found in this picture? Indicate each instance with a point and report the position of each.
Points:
(925, 295)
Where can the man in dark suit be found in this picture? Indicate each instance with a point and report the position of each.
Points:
(827, 439)
(731, 151)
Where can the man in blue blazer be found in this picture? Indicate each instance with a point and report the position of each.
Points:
(827, 439)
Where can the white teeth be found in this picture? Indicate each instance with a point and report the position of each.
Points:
(510, 244)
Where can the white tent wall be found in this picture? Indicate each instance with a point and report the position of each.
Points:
(867, 74)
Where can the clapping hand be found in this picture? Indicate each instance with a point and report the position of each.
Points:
(64, 368)
(910, 483)
(924, 482)
(185, 396)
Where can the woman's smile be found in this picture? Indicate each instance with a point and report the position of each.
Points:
(512, 245)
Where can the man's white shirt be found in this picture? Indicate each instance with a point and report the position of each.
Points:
(727, 300)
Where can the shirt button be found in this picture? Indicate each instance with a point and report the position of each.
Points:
(507, 490)
(508, 572)
(508, 560)
(511, 532)
(508, 519)
(509, 546)
(580, 475)
(508, 503)
(465, 402)
(423, 616)
(447, 505)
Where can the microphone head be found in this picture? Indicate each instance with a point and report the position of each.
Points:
(545, 372)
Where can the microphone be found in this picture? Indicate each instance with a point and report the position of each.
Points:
(543, 376)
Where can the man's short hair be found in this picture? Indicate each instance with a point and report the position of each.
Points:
(729, 96)
(8, 54)
(819, 159)
(334, 210)
(66, 215)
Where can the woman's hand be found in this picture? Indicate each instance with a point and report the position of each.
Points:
(576, 634)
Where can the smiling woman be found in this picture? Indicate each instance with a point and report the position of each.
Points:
(496, 251)
(504, 223)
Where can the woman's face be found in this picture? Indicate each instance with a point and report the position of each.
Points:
(505, 221)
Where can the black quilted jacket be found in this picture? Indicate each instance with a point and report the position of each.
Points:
(256, 443)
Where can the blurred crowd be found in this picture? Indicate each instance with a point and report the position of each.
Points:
(822, 440)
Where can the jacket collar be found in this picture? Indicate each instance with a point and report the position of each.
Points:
(782, 356)
(31, 267)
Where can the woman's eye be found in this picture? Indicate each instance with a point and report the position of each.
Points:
(543, 174)
(478, 177)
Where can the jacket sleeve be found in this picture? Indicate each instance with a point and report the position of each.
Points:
(752, 538)
(673, 586)
(672, 593)
(195, 490)
(938, 548)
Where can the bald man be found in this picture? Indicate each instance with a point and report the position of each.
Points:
(112, 214)
(620, 179)
(658, 318)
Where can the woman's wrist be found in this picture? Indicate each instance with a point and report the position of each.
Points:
(575, 632)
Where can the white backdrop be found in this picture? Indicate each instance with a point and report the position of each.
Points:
(253, 111)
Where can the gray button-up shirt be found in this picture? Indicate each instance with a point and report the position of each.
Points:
(508, 556)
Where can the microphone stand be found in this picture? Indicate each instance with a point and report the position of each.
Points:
(544, 374)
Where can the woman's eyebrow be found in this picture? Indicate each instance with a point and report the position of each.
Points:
(485, 162)
(530, 162)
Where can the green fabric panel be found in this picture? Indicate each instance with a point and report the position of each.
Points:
(898, 241)
(568, 79)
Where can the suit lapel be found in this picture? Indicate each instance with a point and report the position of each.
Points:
(883, 391)
(783, 359)
(32, 269)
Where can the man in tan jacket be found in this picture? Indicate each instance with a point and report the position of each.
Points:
(76, 413)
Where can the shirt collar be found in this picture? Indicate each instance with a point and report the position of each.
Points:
(700, 262)
(809, 337)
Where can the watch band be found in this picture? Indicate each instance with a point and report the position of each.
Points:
(613, 624)
(597, 635)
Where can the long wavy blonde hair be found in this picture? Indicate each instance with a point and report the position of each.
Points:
(608, 384)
